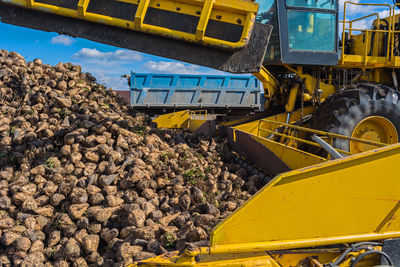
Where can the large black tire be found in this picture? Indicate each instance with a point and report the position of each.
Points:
(341, 112)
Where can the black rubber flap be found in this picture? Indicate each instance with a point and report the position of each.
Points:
(392, 248)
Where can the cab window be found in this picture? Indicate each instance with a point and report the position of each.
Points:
(311, 31)
(322, 4)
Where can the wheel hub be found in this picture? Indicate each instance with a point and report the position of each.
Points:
(374, 128)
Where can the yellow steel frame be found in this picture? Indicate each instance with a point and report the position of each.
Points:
(238, 12)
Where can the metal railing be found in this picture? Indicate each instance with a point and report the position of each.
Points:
(270, 128)
(368, 32)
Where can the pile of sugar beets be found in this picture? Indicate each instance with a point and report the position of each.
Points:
(86, 181)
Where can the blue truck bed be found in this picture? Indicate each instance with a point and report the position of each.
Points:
(212, 92)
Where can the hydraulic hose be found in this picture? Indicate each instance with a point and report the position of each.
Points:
(353, 248)
(361, 256)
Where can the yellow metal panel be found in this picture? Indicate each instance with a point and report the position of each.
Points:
(175, 120)
(345, 200)
(250, 127)
(389, 224)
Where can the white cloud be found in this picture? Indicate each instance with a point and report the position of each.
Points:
(350, 9)
(115, 82)
(117, 55)
(171, 67)
(62, 40)
(385, 13)
(107, 73)
(107, 67)
(362, 24)
(355, 11)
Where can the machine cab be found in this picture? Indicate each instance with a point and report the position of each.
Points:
(304, 31)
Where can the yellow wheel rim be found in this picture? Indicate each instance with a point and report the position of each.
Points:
(374, 128)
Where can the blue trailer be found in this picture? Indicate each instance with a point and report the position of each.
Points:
(171, 92)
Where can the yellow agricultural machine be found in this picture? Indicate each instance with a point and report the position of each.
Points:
(328, 133)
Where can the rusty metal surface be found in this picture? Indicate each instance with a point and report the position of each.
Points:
(246, 60)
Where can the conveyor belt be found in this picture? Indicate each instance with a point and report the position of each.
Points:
(245, 60)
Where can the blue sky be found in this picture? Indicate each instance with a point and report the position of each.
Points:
(106, 62)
